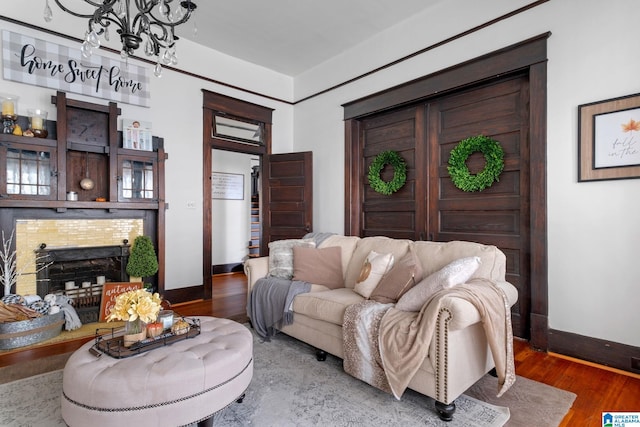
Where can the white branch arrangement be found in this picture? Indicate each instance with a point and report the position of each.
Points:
(9, 272)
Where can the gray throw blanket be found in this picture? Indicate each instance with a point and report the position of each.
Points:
(269, 305)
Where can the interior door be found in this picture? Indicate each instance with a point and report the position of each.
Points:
(498, 215)
(287, 202)
(400, 215)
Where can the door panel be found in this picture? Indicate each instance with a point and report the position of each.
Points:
(288, 197)
(397, 215)
(498, 215)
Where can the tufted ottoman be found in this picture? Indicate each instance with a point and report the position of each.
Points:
(179, 384)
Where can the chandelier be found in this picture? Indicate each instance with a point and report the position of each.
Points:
(150, 23)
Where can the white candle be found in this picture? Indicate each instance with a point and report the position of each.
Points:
(100, 280)
(86, 284)
(8, 108)
(69, 285)
(36, 123)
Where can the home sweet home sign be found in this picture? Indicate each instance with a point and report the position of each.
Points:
(46, 64)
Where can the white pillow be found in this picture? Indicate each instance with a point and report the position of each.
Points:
(455, 273)
(374, 267)
(281, 256)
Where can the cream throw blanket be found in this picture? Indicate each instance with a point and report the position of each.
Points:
(405, 336)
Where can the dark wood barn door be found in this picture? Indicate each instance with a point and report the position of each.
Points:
(429, 206)
(401, 214)
(498, 215)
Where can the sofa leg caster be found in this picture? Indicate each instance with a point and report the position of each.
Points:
(321, 355)
(445, 412)
(241, 398)
(493, 373)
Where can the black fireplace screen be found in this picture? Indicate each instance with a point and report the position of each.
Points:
(77, 273)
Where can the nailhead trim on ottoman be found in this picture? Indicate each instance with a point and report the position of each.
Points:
(179, 384)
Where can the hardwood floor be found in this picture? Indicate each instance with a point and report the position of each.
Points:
(598, 389)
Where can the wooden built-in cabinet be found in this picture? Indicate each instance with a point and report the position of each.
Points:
(37, 172)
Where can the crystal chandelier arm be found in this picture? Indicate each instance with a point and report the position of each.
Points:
(82, 15)
(159, 21)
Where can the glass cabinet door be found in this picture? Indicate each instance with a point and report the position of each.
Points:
(137, 179)
(29, 172)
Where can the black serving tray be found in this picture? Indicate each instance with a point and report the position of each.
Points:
(112, 344)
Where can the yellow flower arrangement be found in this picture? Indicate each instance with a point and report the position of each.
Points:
(136, 304)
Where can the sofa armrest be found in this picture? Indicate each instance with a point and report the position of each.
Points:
(255, 268)
(464, 314)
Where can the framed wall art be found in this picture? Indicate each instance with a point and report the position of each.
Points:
(609, 139)
(227, 186)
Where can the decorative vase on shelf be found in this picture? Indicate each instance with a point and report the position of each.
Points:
(134, 331)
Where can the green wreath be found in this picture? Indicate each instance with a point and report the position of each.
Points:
(459, 172)
(399, 172)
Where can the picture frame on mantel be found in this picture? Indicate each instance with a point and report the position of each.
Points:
(609, 139)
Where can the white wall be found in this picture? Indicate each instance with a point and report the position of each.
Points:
(176, 115)
(594, 275)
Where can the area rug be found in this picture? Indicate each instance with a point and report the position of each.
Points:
(291, 388)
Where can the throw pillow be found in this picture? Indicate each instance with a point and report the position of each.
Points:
(403, 276)
(281, 256)
(457, 272)
(318, 266)
(374, 267)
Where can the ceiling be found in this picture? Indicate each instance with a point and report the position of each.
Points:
(291, 36)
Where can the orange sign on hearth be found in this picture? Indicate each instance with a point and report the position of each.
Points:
(109, 293)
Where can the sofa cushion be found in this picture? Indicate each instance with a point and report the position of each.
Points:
(281, 256)
(380, 244)
(347, 245)
(327, 305)
(435, 255)
(322, 266)
(456, 272)
(404, 274)
(373, 268)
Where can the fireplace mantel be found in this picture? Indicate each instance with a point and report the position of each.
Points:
(59, 163)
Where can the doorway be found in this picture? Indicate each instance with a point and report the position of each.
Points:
(234, 131)
(236, 221)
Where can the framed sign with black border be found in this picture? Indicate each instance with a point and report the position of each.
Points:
(609, 139)
(227, 186)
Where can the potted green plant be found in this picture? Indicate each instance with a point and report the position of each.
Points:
(142, 259)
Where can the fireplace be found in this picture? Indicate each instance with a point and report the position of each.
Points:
(77, 271)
